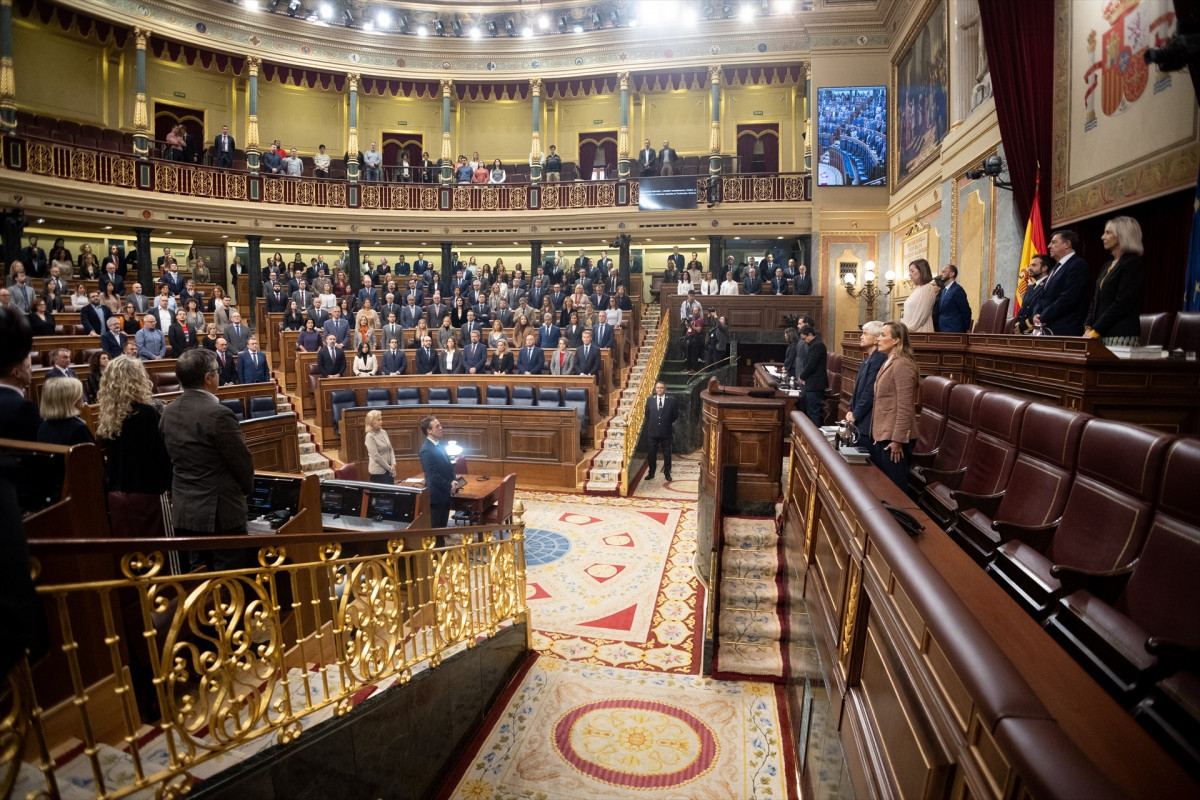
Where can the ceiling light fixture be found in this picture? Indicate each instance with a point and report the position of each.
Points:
(746, 13)
(543, 22)
(491, 28)
(251, 5)
(383, 19)
(527, 32)
(474, 32)
(597, 24)
(578, 28)
(326, 11)
(510, 27)
(615, 17)
(422, 30)
(368, 25)
(439, 27)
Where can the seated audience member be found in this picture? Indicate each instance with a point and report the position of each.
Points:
(450, 359)
(19, 418)
(97, 363)
(365, 363)
(181, 336)
(427, 357)
(151, 345)
(562, 360)
(331, 359)
(62, 401)
(394, 361)
(252, 364)
(532, 359)
(501, 362)
(226, 363)
(309, 339)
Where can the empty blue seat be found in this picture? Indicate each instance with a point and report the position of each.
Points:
(468, 395)
(407, 396)
(522, 395)
(338, 402)
(263, 407)
(439, 395)
(497, 396)
(578, 400)
(379, 396)
(549, 396)
(236, 407)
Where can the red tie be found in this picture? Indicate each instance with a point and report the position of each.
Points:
(561, 357)
(222, 359)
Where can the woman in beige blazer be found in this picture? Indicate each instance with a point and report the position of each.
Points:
(381, 459)
(894, 419)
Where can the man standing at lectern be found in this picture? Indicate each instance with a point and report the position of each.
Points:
(661, 413)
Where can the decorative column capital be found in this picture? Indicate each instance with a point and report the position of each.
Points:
(447, 85)
(714, 73)
(252, 65)
(535, 86)
(352, 79)
(140, 37)
(623, 80)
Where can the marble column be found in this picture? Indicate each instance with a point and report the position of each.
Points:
(253, 274)
(8, 84)
(447, 270)
(145, 261)
(623, 133)
(716, 257)
(252, 146)
(352, 138)
(714, 142)
(141, 118)
(353, 264)
(624, 262)
(535, 258)
(535, 149)
(447, 87)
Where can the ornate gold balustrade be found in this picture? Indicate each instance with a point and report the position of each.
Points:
(230, 657)
(637, 412)
(125, 171)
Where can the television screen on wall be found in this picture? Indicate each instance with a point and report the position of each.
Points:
(852, 136)
(670, 193)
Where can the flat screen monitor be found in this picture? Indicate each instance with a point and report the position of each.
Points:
(391, 504)
(273, 494)
(672, 193)
(344, 500)
(852, 136)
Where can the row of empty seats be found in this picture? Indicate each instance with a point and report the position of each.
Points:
(542, 397)
(1091, 525)
(251, 407)
(1171, 331)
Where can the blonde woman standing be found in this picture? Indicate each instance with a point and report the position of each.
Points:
(381, 459)
(918, 308)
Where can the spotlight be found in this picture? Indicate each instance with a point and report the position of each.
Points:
(456, 26)
(615, 16)
(491, 27)
(596, 23)
(368, 25)
(527, 32)
(727, 11)
(562, 24)
(293, 5)
(251, 5)
(402, 24)
(474, 32)
(349, 16)
(746, 13)
(422, 30)
(326, 11)
(383, 19)
(543, 22)
(578, 28)
(510, 27)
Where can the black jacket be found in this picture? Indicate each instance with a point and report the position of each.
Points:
(813, 373)
(1117, 304)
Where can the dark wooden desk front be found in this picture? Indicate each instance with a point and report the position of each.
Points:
(1072, 372)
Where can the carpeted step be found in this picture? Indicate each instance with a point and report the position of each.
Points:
(749, 627)
(749, 564)
(752, 595)
(750, 537)
(743, 658)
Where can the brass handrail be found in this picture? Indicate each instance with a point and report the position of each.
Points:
(239, 654)
(637, 413)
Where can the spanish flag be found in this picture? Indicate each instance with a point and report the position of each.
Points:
(1035, 242)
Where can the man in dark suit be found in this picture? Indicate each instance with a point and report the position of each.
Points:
(94, 316)
(180, 336)
(802, 283)
(236, 333)
(410, 314)
(813, 375)
(647, 159)
(427, 360)
(34, 259)
(420, 265)
(472, 325)
(439, 472)
(252, 364)
(110, 276)
(1039, 267)
(661, 413)
(212, 468)
(317, 314)
(752, 284)
(779, 284)
(603, 334)
(224, 146)
(277, 301)
(548, 333)
(475, 355)
(61, 367)
(368, 293)
(536, 293)
(1065, 294)
(668, 159)
(504, 314)
(113, 341)
(954, 310)
(532, 359)
(598, 297)
(435, 311)
(331, 359)
(604, 264)
(862, 402)
(226, 364)
(587, 356)
(337, 327)
(394, 361)
(19, 418)
(113, 257)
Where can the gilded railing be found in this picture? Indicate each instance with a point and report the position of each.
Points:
(637, 413)
(126, 171)
(229, 657)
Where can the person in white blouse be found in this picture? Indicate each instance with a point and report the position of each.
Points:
(497, 175)
(708, 285)
(364, 361)
(918, 307)
(729, 285)
(684, 285)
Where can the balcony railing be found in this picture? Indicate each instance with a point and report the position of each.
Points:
(107, 168)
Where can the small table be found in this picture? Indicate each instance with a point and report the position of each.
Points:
(478, 494)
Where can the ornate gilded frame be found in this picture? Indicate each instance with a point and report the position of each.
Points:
(894, 158)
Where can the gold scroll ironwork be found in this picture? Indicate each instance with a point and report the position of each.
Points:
(637, 413)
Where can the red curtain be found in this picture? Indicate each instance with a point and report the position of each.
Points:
(750, 135)
(1019, 39)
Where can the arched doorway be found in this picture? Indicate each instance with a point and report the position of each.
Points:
(758, 147)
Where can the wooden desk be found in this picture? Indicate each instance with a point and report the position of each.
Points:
(1072, 372)
(745, 313)
(477, 495)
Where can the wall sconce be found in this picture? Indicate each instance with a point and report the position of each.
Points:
(869, 291)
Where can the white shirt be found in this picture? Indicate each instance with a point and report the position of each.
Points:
(684, 286)
(709, 287)
(729, 287)
(450, 358)
(321, 161)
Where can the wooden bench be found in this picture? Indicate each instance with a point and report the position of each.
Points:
(540, 445)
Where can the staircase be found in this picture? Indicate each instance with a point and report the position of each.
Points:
(604, 474)
(750, 621)
(312, 460)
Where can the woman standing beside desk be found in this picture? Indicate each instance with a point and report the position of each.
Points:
(381, 459)
(894, 417)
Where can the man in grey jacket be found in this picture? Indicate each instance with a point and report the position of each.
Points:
(213, 470)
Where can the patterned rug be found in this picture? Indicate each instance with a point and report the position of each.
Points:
(685, 469)
(610, 580)
(569, 731)
(751, 624)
